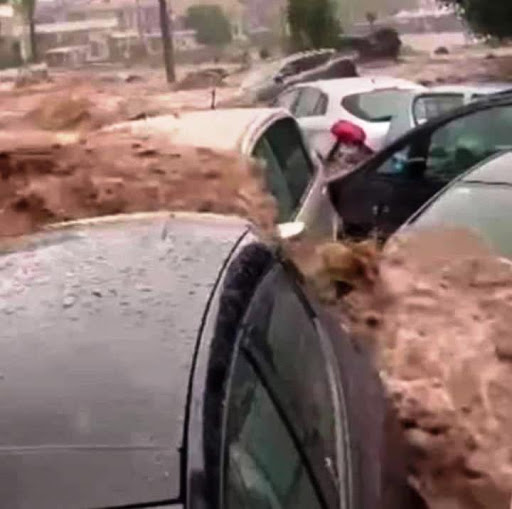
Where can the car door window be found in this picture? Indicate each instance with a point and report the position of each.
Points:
(263, 468)
(292, 356)
(275, 179)
(308, 103)
(286, 142)
(466, 141)
(321, 106)
(287, 100)
(452, 148)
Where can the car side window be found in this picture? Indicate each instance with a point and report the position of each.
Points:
(262, 465)
(466, 141)
(308, 103)
(286, 142)
(453, 148)
(287, 100)
(275, 179)
(321, 106)
(292, 357)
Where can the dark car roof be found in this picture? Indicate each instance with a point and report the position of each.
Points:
(98, 326)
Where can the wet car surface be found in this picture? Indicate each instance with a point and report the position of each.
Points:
(97, 348)
(154, 360)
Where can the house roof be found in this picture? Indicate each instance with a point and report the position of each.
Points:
(76, 26)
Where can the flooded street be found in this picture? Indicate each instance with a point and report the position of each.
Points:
(435, 309)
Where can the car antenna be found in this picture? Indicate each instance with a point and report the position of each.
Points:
(214, 97)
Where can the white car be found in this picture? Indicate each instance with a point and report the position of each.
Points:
(294, 176)
(346, 114)
(422, 106)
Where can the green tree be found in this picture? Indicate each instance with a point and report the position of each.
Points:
(486, 17)
(312, 24)
(210, 23)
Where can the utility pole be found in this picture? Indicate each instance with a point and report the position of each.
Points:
(167, 42)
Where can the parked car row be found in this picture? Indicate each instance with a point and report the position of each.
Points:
(382, 193)
(346, 113)
(345, 120)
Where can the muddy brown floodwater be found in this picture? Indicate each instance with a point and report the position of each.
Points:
(439, 317)
(50, 178)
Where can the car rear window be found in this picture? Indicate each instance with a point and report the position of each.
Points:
(376, 106)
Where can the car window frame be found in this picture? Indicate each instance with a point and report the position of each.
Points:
(256, 356)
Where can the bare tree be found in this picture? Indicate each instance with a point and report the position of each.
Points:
(167, 42)
(27, 8)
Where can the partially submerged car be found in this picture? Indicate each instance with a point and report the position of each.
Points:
(293, 175)
(172, 360)
(479, 201)
(265, 83)
(277, 70)
(339, 117)
(382, 193)
(422, 106)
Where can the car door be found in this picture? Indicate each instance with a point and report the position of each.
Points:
(388, 189)
(286, 431)
(298, 186)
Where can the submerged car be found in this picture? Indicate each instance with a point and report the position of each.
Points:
(382, 193)
(265, 76)
(422, 106)
(479, 201)
(172, 360)
(321, 65)
(340, 117)
(294, 176)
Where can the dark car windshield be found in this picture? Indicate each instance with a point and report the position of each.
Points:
(484, 209)
(376, 106)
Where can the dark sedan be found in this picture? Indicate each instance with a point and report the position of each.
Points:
(480, 201)
(156, 361)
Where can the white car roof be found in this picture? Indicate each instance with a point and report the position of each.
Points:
(222, 129)
(347, 86)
